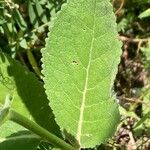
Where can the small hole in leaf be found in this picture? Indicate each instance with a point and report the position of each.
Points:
(75, 62)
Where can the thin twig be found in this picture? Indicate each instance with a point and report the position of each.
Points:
(134, 40)
(113, 1)
(119, 9)
(131, 144)
(32, 31)
(135, 101)
(21, 58)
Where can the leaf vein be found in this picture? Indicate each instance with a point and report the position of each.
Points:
(81, 117)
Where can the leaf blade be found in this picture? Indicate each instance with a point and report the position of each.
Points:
(80, 64)
(29, 98)
(15, 137)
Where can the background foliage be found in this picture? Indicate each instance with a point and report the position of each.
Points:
(24, 27)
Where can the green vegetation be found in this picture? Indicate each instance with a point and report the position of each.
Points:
(77, 67)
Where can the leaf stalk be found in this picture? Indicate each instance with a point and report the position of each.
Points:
(43, 133)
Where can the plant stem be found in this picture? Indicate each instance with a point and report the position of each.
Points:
(33, 63)
(43, 133)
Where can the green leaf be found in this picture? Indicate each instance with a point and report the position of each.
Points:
(142, 124)
(15, 137)
(80, 64)
(4, 111)
(29, 98)
(23, 43)
(142, 120)
(145, 14)
(40, 12)
(19, 19)
(31, 13)
(146, 61)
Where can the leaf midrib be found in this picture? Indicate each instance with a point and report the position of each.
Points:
(81, 117)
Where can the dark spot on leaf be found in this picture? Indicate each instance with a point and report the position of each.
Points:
(75, 62)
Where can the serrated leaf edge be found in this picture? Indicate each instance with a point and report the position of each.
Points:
(51, 25)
